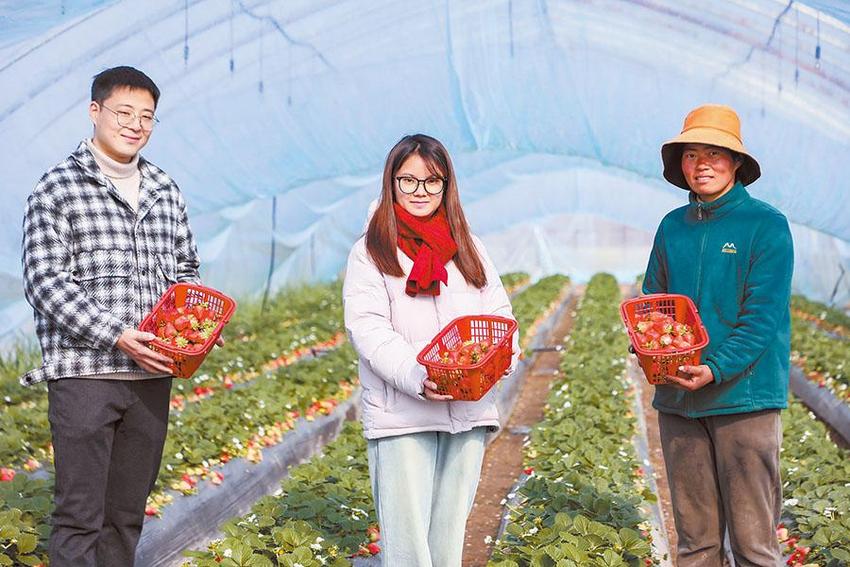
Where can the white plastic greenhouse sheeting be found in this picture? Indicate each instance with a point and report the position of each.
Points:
(554, 111)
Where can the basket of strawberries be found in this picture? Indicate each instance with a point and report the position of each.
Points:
(469, 355)
(665, 331)
(187, 321)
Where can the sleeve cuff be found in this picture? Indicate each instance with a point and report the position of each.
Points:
(108, 334)
(413, 383)
(715, 371)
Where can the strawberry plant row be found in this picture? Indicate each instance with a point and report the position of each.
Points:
(514, 280)
(236, 426)
(583, 503)
(826, 317)
(546, 293)
(259, 338)
(825, 360)
(816, 488)
(331, 493)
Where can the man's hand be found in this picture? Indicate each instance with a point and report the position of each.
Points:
(692, 378)
(134, 343)
(430, 392)
(220, 341)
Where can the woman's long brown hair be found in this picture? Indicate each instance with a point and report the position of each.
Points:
(382, 234)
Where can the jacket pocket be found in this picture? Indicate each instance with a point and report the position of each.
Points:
(390, 397)
(105, 276)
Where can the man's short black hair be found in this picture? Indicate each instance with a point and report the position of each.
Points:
(107, 81)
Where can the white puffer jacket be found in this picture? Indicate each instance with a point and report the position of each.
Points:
(388, 328)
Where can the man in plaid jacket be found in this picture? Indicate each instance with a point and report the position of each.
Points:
(105, 234)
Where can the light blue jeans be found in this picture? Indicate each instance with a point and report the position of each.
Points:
(424, 485)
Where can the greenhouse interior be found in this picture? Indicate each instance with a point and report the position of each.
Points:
(275, 121)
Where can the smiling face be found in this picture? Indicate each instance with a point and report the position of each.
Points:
(420, 203)
(121, 143)
(709, 170)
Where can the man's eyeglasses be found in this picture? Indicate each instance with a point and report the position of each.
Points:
(408, 184)
(128, 119)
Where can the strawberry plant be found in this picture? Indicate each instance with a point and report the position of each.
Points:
(22, 358)
(24, 508)
(816, 489)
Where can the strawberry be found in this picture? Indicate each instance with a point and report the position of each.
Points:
(373, 548)
(643, 326)
(181, 323)
(6, 475)
(665, 340)
(373, 533)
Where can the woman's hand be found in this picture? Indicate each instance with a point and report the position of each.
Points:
(430, 392)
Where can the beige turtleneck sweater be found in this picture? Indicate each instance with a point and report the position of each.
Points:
(124, 176)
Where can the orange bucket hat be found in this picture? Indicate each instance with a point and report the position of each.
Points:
(713, 124)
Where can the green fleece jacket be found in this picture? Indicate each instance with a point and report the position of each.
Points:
(734, 258)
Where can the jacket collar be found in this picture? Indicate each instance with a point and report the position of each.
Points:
(148, 187)
(719, 207)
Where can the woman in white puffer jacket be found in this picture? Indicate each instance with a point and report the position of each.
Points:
(416, 269)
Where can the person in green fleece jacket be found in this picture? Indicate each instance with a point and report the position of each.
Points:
(719, 421)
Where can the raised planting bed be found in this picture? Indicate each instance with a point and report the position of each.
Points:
(584, 501)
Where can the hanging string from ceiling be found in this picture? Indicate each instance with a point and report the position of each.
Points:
(817, 47)
(511, 25)
(797, 46)
(289, 78)
(186, 33)
(232, 16)
(260, 86)
(779, 58)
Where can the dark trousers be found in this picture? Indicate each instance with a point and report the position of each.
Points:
(723, 471)
(108, 437)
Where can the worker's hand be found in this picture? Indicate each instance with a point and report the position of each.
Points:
(430, 392)
(135, 344)
(692, 378)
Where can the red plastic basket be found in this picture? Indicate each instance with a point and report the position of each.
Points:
(470, 382)
(186, 362)
(656, 366)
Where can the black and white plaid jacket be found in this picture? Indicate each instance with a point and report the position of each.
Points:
(93, 266)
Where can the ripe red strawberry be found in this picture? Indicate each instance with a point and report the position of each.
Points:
(182, 323)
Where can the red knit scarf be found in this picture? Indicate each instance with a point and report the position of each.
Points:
(428, 242)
